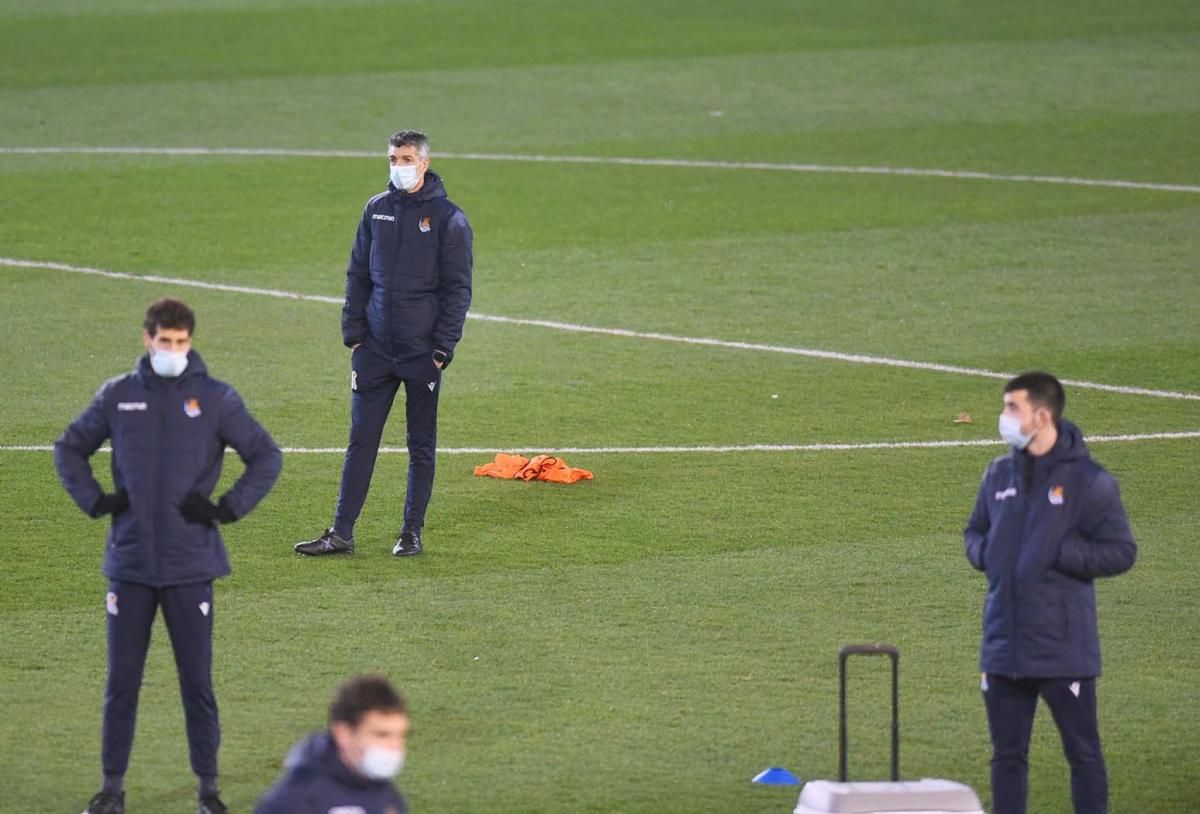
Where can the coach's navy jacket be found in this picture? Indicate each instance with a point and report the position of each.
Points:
(315, 781)
(168, 439)
(1042, 529)
(408, 284)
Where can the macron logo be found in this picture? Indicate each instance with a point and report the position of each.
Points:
(131, 406)
(383, 217)
(1007, 493)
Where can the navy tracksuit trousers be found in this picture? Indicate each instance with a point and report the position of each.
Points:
(374, 381)
(188, 612)
(1011, 704)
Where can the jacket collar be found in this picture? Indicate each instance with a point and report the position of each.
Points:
(318, 755)
(1068, 446)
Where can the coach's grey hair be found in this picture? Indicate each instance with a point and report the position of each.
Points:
(411, 138)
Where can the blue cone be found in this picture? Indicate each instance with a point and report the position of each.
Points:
(776, 776)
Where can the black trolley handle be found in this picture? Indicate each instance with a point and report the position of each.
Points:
(868, 650)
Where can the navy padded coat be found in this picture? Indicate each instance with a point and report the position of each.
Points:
(315, 781)
(1043, 528)
(168, 438)
(408, 283)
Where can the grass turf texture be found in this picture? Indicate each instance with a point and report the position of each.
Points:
(650, 640)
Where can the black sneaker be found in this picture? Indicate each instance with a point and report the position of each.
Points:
(327, 543)
(408, 544)
(106, 803)
(211, 805)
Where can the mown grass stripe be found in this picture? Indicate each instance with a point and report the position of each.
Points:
(816, 353)
(843, 169)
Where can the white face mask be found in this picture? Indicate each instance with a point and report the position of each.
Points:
(381, 764)
(404, 176)
(1010, 431)
(168, 364)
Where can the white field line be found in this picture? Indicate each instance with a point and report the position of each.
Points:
(16, 262)
(699, 449)
(854, 358)
(966, 175)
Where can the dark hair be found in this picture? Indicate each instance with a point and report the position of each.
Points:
(411, 138)
(168, 312)
(1044, 391)
(364, 694)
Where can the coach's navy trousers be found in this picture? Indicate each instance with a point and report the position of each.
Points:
(374, 381)
(188, 612)
(1011, 704)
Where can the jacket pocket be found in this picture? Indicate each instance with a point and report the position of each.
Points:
(1046, 622)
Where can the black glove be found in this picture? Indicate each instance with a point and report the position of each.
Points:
(443, 357)
(196, 508)
(114, 503)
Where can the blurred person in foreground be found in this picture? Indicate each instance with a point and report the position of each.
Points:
(351, 765)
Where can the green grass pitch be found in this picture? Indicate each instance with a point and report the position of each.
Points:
(648, 641)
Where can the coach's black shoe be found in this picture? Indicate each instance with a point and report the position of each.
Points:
(211, 805)
(106, 803)
(327, 543)
(408, 544)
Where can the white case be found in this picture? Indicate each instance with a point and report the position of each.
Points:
(926, 796)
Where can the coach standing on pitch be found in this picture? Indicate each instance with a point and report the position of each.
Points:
(170, 424)
(1047, 522)
(408, 287)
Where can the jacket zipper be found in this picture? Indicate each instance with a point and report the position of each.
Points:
(1022, 499)
(159, 484)
(1024, 476)
(398, 224)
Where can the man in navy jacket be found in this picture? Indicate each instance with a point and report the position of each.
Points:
(408, 287)
(169, 423)
(1048, 521)
(349, 767)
